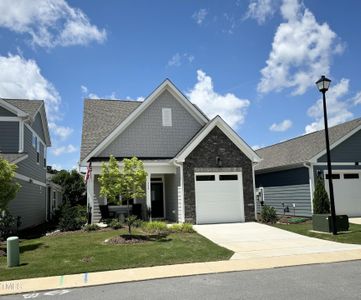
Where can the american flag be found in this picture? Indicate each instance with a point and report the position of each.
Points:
(88, 172)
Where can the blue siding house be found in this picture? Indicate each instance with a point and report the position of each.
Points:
(286, 176)
(24, 139)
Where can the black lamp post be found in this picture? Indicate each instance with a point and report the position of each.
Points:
(323, 84)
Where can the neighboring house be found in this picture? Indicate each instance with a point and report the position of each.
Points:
(54, 196)
(289, 170)
(199, 170)
(24, 138)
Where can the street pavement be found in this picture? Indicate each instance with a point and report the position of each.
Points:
(321, 281)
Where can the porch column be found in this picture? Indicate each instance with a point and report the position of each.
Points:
(90, 191)
(148, 195)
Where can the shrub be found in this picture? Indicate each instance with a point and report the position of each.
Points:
(91, 227)
(155, 227)
(321, 203)
(8, 225)
(72, 218)
(185, 227)
(115, 224)
(268, 214)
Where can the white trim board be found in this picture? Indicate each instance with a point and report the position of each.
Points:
(12, 108)
(335, 144)
(28, 179)
(228, 131)
(166, 85)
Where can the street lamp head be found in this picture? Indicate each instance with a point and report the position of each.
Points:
(323, 84)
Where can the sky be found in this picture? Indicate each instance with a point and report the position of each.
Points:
(253, 62)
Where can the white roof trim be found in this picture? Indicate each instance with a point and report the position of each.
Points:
(335, 144)
(228, 131)
(12, 108)
(44, 122)
(166, 85)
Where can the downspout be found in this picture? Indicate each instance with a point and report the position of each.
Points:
(254, 191)
(180, 165)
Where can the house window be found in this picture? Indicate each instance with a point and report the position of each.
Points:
(35, 141)
(38, 152)
(351, 176)
(228, 177)
(166, 117)
(205, 178)
(44, 161)
(334, 176)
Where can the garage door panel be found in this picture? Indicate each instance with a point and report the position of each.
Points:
(347, 192)
(219, 200)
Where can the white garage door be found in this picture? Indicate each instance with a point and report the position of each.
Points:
(219, 197)
(347, 191)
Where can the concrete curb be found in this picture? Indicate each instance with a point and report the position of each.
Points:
(139, 274)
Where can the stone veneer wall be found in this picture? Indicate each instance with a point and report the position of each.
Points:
(216, 143)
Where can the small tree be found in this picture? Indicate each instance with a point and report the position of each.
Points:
(132, 183)
(321, 203)
(8, 187)
(129, 183)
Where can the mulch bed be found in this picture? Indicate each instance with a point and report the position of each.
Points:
(61, 233)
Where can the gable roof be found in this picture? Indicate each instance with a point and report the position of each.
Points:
(303, 148)
(227, 130)
(100, 118)
(92, 147)
(29, 107)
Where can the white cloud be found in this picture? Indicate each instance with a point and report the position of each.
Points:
(357, 99)
(200, 15)
(231, 108)
(22, 78)
(260, 10)
(63, 150)
(62, 132)
(49, 23)
(301, 51)
(85, 91)
(281, 127)
(256, 147)
(337, 108)
(56, 167)
(178, 59)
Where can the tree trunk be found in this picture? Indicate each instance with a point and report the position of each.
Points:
(129, 225)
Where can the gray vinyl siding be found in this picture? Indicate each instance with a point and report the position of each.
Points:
(5, 113)
(171, 196)
(298, 194)
(294, 176)
(348, 151)
(38, 127)
(146, 137)
(29, 166)
(9, 137)
(29, 204)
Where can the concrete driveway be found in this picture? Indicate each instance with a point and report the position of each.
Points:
(254, 240)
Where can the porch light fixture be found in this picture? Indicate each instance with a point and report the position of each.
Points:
(323, 84)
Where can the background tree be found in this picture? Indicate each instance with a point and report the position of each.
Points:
(321, 203)
(8, 186)
(73, 186)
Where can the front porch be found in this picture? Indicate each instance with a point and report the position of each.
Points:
(163, 189)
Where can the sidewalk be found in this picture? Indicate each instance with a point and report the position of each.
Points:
(127, 275)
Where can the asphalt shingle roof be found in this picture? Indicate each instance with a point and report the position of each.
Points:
(28, 106)
(301, 149)
(100, 118)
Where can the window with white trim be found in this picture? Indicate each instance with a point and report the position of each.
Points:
(167, 117)
(35, 140)
(44, 160)
(38, 151)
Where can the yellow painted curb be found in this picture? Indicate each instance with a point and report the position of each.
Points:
(137, 274)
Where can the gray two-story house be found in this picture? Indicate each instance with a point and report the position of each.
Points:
(24, 138)
(199, 170)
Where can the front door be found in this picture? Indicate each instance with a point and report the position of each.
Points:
(157, 200)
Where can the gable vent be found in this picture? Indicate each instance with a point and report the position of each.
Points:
(167, 116)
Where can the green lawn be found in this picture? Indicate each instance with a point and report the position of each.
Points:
(60, 255)
(352, 237)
